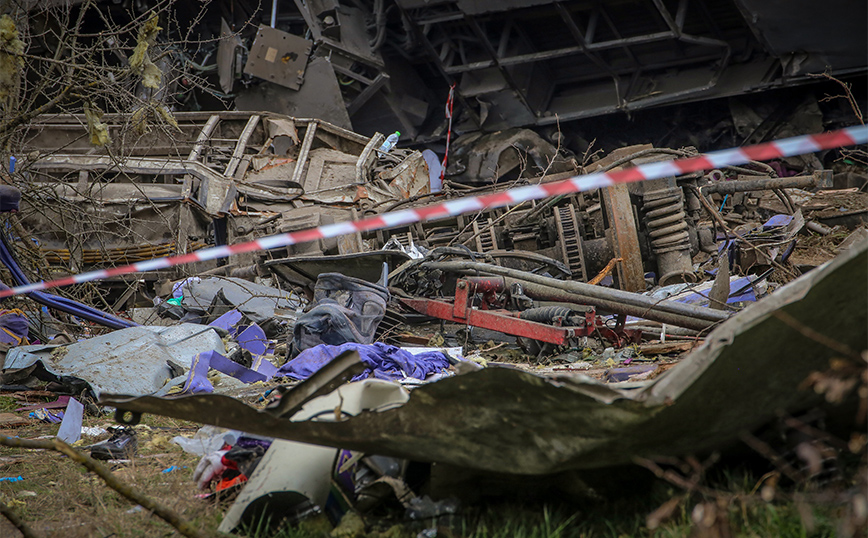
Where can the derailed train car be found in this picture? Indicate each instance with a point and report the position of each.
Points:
(412, 65)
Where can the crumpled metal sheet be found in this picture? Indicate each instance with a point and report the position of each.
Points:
(109, 216)
(410, 178)
(511, 421)
(257, 301)
(132, 360)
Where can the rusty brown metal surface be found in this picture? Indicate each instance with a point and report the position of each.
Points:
(624, 237)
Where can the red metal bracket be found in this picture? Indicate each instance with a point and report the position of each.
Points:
(462, 311)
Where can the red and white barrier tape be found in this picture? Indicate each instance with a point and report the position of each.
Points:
(787, 147)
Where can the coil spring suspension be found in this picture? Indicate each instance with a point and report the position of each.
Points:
(667, 227)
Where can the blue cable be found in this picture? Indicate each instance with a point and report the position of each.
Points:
(55, 301)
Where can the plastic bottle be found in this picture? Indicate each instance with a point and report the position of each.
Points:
(390, 142)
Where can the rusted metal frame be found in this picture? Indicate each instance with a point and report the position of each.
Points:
(149, 166)
(432, 53)
(579, 37)
(681, 14)
(440, 19)
(500, 322)
(486, 44)
(543, 67)
(696, 40)
(624, 237)
(678, 31)
(762, 184)
(309, 19)
(490, 287)
(583, 273)
(352, 74)
(615, 31)
(710, 20)
(504, 37)
(367, 157)
(565, 51)
(629, 71)
(461, 304)
(340, 48)
(593, 18)
(533, 257)
(241, 146)
(620, 337)
(560, 227)
(634, 78)
(366, 94)
(650, 101)
(543, 292)
(632, 304)
(668, 21)
(333, 129)
(309, 135)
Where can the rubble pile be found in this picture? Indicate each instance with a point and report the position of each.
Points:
(379, 260)
(579, 332)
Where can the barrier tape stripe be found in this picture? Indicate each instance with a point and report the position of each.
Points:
(787, 147)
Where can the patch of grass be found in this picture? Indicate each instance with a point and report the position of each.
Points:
(8, 404)
(60, 498)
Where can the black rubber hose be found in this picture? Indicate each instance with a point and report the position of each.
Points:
(545, 314)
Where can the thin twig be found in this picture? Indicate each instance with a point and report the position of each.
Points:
(849, 95)
(765, 450)
(674, 478)
(820, 338)
(168, 515)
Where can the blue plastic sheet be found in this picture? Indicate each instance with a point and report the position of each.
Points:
(383, 361)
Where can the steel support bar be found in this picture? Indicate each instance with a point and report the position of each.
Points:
(540, 292)
(495, 321)
(486, 44)
(438, 64)
(306, 144)
(632, 304)
(764, 184)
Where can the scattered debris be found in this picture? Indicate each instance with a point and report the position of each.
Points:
(391, 369)
(585, 423)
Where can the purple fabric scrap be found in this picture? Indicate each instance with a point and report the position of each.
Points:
(777, 221)
(197, 379)
(383, 361)
(734, 286)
